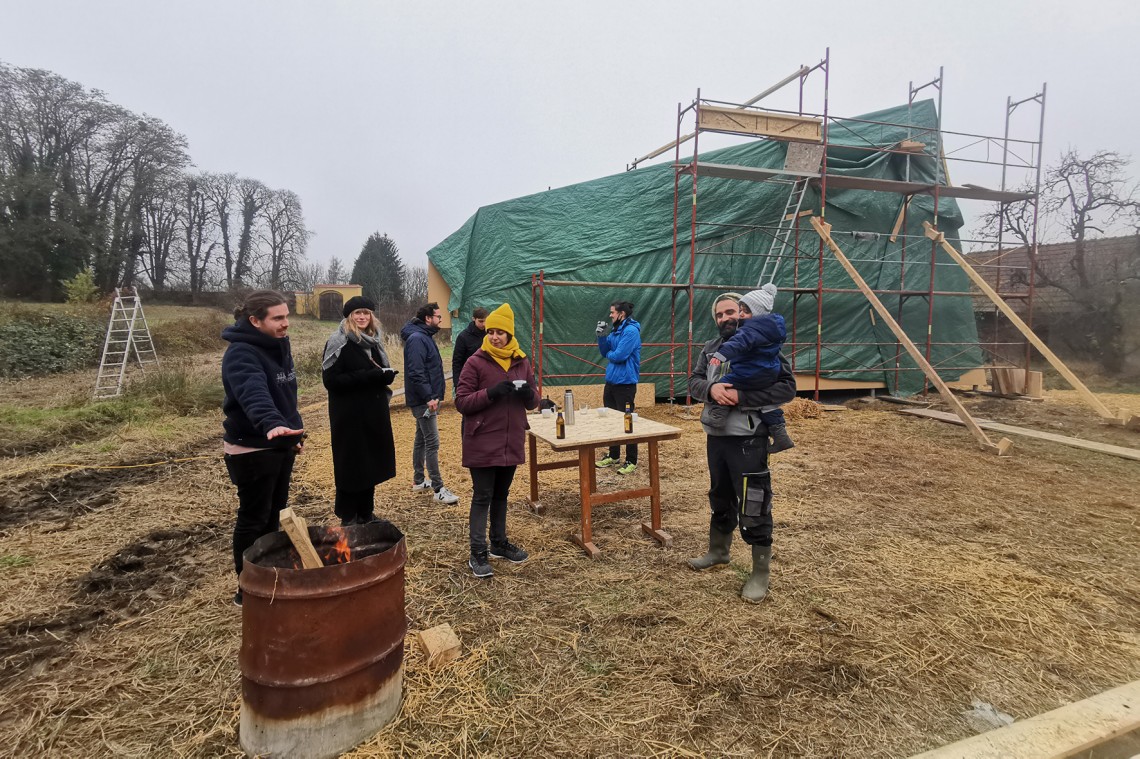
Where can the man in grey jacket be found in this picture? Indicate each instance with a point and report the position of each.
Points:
(740, 486)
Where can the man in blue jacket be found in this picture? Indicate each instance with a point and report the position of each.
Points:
(263, 431)
(622, 350)
(424, 388)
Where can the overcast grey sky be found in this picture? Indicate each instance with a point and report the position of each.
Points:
(406, 117)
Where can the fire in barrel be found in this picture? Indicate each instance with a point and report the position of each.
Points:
(322, 649)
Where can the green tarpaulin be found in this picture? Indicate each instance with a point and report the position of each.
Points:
(620, 229)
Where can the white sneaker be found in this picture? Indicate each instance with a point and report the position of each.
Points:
(443, 495)
(423, 487)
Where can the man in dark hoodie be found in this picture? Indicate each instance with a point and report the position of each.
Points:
(424, 388)
(263, 430)
(467, 342)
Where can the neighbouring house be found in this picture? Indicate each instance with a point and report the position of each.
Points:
(1066, 312)
(326, 302)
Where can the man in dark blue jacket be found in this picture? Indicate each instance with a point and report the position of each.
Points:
(424, 388)
(467, 342)
(263, 430)
(622, 350)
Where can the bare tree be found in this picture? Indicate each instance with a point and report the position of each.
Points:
(198, 219)
(336, 275)
(75, 174)
(161, 215)
(285, 237)
(416, 285)
(253, 196)
(308, 276)
(222, 192)
(1087, 198)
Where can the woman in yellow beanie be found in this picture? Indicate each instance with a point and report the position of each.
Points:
(495, 390)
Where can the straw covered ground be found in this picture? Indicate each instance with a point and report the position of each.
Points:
(912, 576)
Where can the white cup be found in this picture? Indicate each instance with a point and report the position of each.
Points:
(519, 383)
(547, 412)
(602, 411)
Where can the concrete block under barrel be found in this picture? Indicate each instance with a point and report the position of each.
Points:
(322, 650)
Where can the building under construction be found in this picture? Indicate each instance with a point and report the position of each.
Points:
(851, 218)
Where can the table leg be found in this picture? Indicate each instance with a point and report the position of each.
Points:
(532, 464)
(653, 528)
(586, 486)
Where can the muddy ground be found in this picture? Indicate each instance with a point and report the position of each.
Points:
(912, 575)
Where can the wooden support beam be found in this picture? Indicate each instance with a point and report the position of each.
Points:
(1066, 732)
(298, 531)
(1009, 429)
(1123, 418)
(824, 230)
(899, 220)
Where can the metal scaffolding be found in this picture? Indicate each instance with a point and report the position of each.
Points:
(807, 165)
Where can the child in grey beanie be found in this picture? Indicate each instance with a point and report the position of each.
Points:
(752, 357)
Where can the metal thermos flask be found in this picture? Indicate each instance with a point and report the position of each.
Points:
(568, 404)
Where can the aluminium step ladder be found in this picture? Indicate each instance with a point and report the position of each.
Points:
(800, 157)
(127, 335)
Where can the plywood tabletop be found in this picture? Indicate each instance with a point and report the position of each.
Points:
(591, 429)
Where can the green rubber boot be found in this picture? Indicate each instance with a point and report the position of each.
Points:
(756, 588)
(719, 543)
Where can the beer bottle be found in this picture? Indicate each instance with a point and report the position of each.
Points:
(628, 420)
(560, 426)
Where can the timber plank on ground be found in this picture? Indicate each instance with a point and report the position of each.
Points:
(1009, 429)
(1064, 732)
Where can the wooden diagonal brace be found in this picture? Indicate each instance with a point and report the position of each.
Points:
(1003, 446)
(1123, 418)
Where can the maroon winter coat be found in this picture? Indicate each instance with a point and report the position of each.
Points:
(494, 432)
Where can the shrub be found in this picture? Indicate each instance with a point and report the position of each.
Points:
(308, 366)
(35, 342)
(175, 389)
(81, 288)
(185, 337)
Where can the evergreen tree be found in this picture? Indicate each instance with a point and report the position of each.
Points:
(379, 270)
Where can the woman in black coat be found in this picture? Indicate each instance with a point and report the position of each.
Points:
(357, 373)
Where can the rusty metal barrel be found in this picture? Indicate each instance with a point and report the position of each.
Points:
(322, 650)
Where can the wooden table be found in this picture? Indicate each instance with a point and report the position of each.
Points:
(589, 433)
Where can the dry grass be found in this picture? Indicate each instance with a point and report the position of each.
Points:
(911, 575)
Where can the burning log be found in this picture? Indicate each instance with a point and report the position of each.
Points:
(298, 531)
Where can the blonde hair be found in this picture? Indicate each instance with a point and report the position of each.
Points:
(372, 330)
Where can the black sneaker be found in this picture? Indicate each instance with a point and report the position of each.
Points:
(479, 565)
(237, 598)
(510, 552)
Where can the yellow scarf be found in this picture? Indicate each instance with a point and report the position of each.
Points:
(503, 355)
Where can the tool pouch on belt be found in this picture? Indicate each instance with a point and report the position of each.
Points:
(756, 505)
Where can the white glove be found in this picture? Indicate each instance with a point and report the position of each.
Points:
(601, 328)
